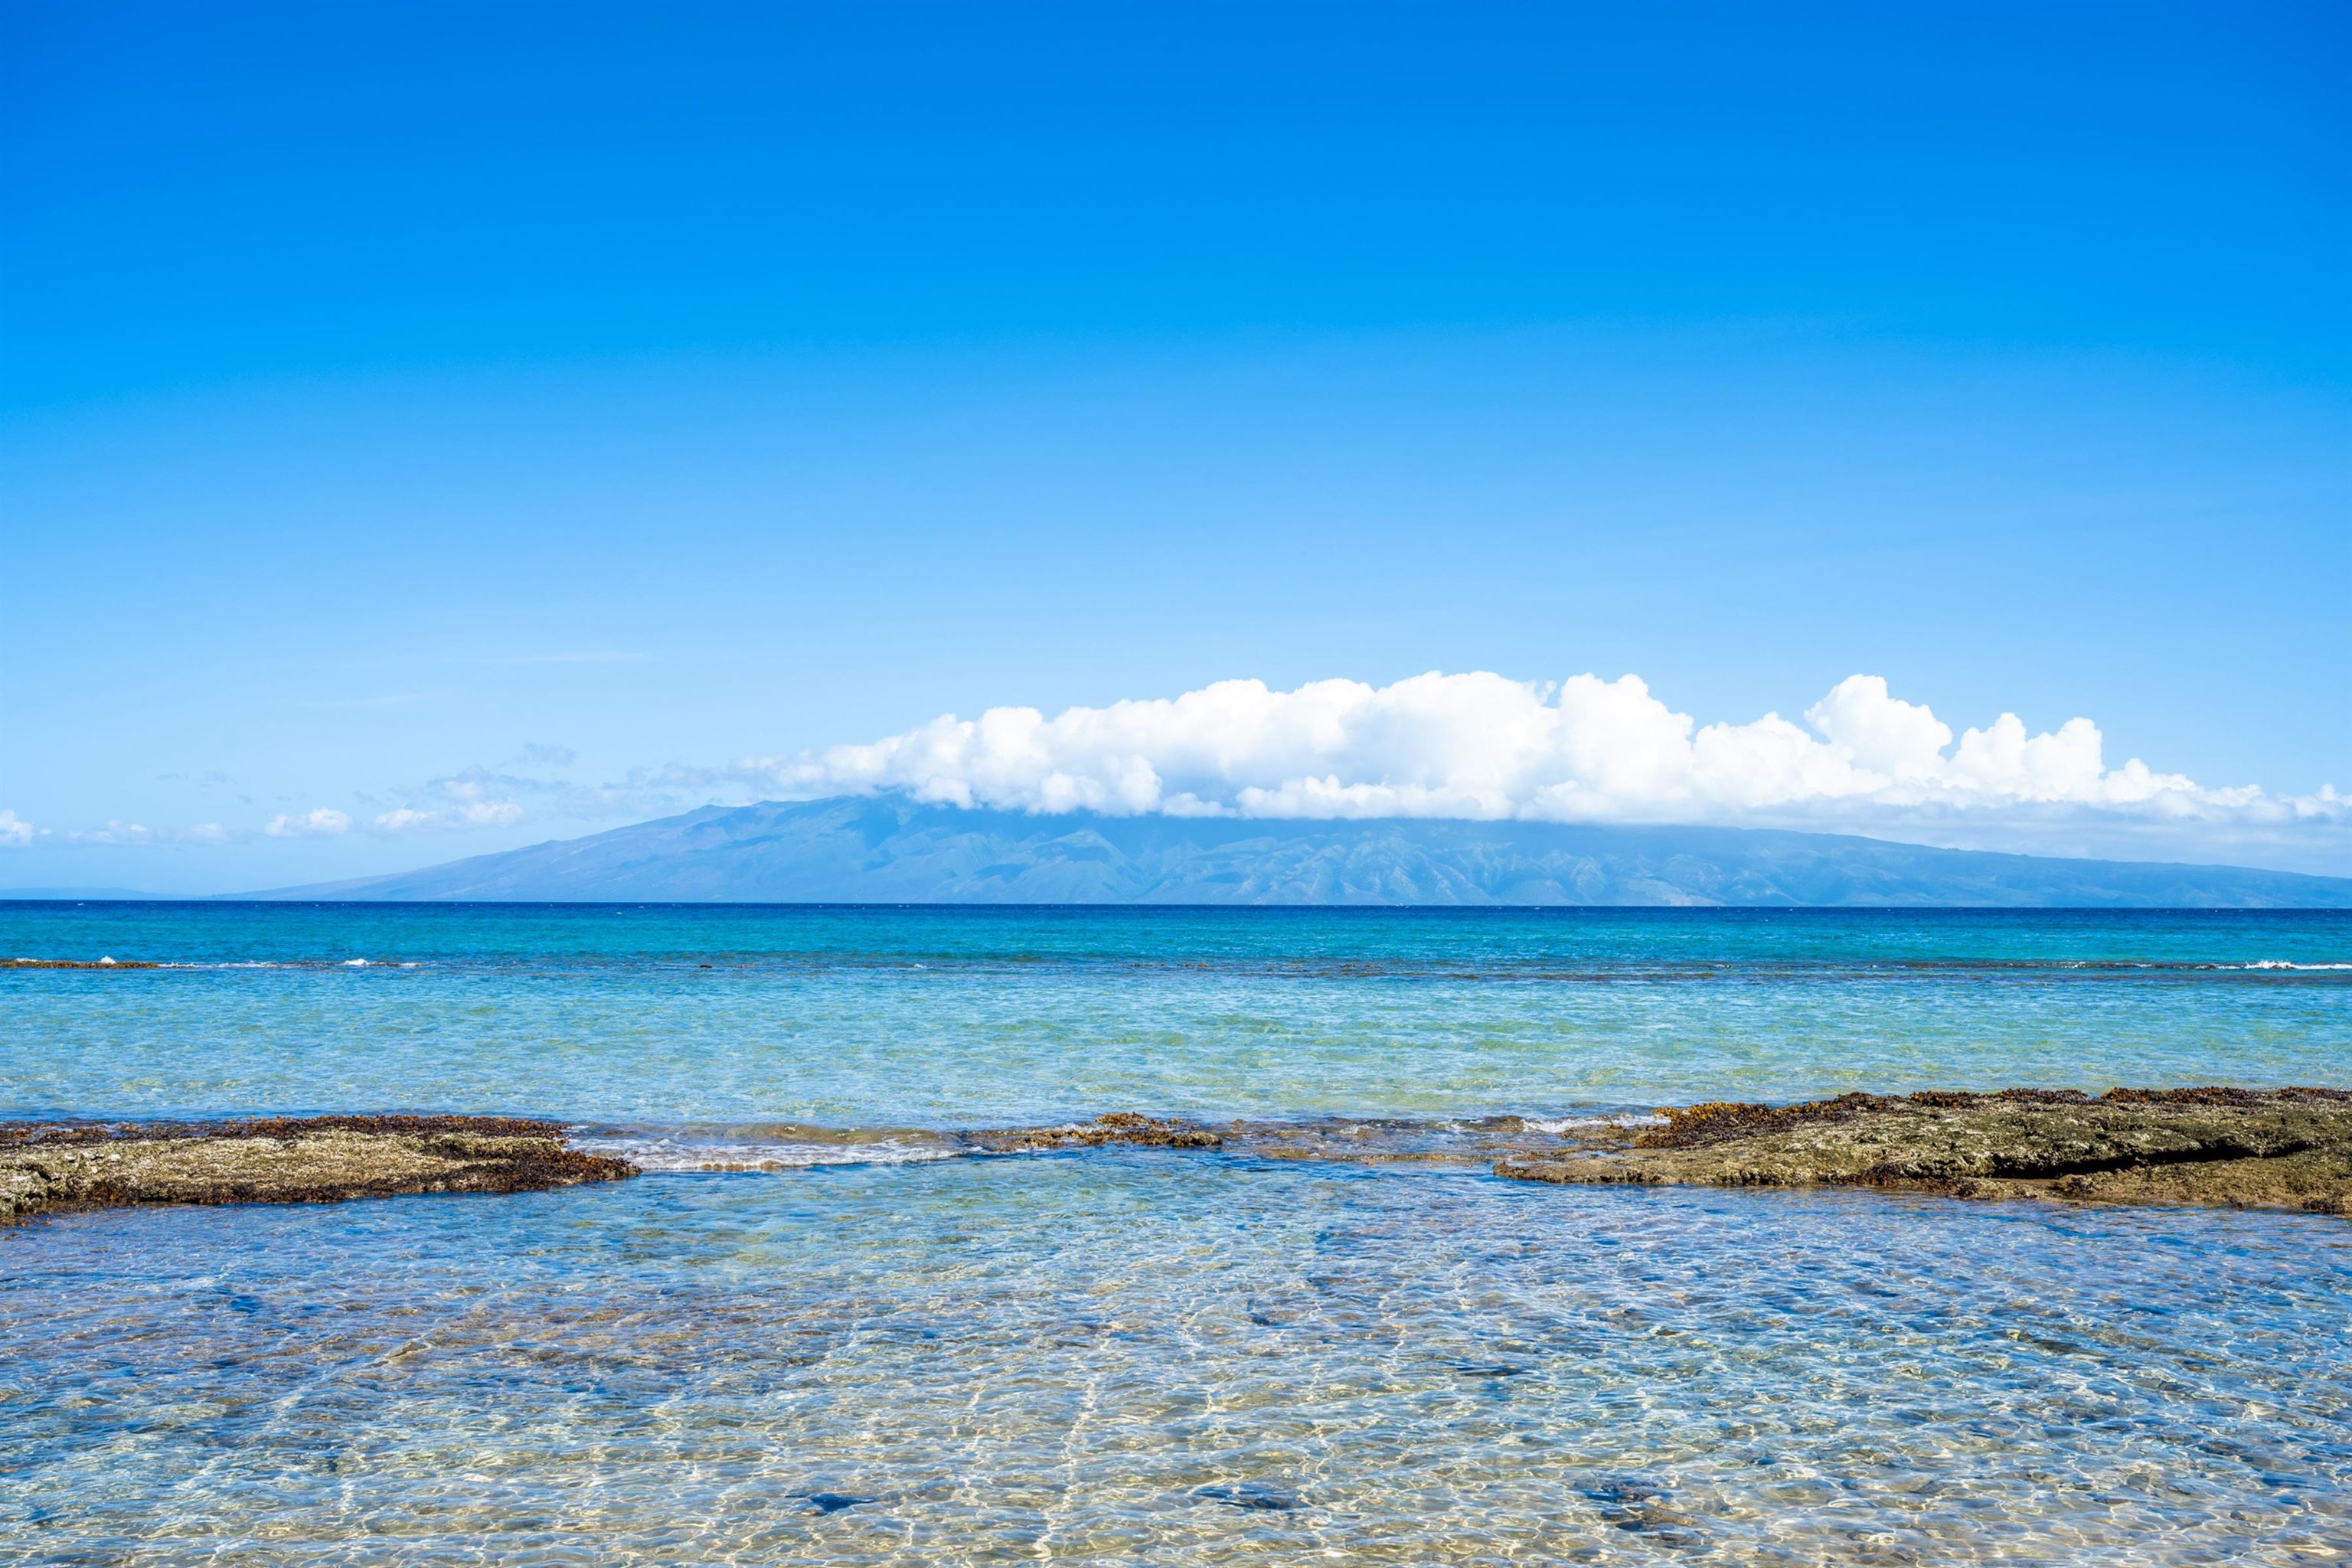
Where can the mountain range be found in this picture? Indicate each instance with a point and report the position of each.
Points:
(889, 850)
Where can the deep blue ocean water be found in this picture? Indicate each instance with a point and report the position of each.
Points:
(866, 1352)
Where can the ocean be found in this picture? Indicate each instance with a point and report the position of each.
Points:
(819, 1329)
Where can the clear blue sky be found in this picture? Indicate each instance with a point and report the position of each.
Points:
(388, 391)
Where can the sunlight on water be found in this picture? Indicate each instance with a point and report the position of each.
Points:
(1177, 1358)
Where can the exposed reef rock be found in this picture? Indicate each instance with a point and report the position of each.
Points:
(2289, 1148)
(319, 1159)
(1120, 1127)
(2273, 1149)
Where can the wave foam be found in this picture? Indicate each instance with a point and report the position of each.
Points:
(1561, 1126)
(688, 1154)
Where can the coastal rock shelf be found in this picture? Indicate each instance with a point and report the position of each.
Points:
(1120, 1128)
(2272, 1148)
(319, 1159)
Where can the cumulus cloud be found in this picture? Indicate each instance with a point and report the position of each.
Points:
(320, 822)
(206, 833)
(15, 831)
(1482, 746)
(466, 801)
(470, 814)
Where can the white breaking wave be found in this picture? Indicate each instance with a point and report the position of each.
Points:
(2282, 963)
(751, 1154)
(290, 964)
(1560, 1126)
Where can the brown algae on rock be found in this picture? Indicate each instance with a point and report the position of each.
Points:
(2283, 1148)
(1121, 1127)
(318, 1159)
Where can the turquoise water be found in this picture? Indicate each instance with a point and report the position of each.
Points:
(935, 1019)
(868, 1352)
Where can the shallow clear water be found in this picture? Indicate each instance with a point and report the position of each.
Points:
(1176, 1358)
(1163, 1357)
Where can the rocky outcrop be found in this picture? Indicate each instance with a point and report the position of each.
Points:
(1121, 1127)
(2287, 1148)
(319, 1159)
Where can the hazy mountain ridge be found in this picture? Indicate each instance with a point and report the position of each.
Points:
(882, 850)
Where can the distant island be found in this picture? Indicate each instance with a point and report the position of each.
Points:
(888, 850)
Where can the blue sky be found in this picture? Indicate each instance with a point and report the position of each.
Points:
(554, 410)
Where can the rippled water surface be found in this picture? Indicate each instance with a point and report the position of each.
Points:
(1177, 1358)
(874, 1353)
(960, 1017)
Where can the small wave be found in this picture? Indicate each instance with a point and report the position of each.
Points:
(780, 1147)
(2282, 963)
(228, 963)
(794, 1150)
(744, 1157)
(1561, 1126)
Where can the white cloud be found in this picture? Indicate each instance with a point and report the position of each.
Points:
(321, 822)
(1902, 740)
(206, 833)
(469, 808)
(15, 831)
(1479, 745)
(115, 832)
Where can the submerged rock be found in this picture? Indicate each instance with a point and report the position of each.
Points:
(318, 1159)
(2289, 1148)
(1252, 1495)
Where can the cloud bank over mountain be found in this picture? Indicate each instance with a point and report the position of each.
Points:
(1483, 747)
(1472, 747)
